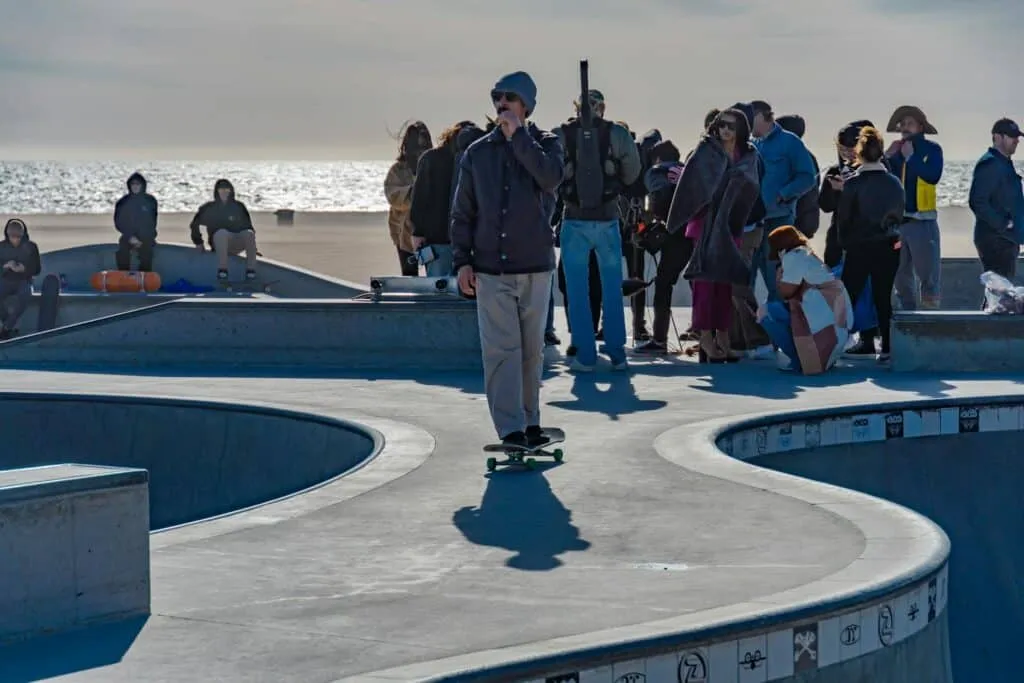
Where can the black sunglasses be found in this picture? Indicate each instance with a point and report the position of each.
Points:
(497, 96)
(727, 125)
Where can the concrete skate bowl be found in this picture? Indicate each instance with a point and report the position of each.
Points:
(958, 462)
(204, 459)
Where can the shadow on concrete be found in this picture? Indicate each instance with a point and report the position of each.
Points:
(520, 512)
(763, 380)
(613, 395)
(66, 653)
(925, 386)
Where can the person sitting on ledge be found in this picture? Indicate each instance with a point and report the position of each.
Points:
(135, 217)
(19, 263)
(229, 229)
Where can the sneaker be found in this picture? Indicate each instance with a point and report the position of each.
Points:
(865, 348)
(577, 366)
(551, 339)
(222, 275)
(621, 366)
(514, 439)
(652, 348)
(250, 275)
(535, 436)
(570, 351)
(761, 353)
(641, 335)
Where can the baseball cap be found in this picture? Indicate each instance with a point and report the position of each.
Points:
(1007, 127)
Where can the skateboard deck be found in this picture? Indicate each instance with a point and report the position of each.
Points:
(48, 303)
(523, 456)
(255, 285)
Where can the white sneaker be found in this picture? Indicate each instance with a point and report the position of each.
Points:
(577, 366)
(762, 353)
(621, 367)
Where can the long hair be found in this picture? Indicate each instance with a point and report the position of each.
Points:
(411, 134)
(448, 135)
(786, 238)
(742, 127)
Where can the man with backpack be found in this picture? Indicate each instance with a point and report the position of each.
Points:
(590, 224)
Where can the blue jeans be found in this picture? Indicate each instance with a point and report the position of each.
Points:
(579, 238)
(778, 325)
(441, 266)
(760, 262)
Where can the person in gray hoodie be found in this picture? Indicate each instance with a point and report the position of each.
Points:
(19, 263)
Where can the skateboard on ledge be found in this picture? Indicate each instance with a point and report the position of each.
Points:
(524, 456)
(255, 285)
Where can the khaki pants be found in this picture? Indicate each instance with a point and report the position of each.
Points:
(745, 334)
(233, 243)
(512, 312)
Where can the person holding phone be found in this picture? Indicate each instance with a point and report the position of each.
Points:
(503, 250)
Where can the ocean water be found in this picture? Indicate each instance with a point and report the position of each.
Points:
(93, 187)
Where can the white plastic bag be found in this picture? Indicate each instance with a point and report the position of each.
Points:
(1002, 297)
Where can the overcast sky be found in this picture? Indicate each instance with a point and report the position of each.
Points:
(326, 79)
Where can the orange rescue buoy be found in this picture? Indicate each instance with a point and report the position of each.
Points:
(124, 281)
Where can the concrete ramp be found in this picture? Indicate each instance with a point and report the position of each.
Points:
(176, 261)
(970, 485)
(250, 333)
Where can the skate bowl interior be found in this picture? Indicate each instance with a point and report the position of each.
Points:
(204, 458)
(959, 463)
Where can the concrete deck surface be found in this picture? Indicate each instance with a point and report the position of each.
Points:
(445, 560)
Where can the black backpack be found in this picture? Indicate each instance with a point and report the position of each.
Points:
(569, 190)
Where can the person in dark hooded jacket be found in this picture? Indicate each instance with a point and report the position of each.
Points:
(19, 263)
(432, 193)
(135, 216)
(229, 229)
(808, 215)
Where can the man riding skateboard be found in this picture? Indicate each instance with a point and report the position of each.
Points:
(503, 248)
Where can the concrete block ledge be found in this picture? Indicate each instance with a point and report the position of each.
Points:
(956, 341)
(75, 542)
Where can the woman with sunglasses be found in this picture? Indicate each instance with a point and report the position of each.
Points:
(714, 198)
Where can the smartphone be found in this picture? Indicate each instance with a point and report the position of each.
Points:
(426, 254)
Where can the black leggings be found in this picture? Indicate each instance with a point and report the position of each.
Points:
(879, 261)
(635, 269)
(672, 259)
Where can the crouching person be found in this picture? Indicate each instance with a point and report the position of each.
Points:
(503, 251)
(19, 260)
(811, 323)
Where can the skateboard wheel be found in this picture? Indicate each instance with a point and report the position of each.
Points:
(492, 464)
(557, 455)
(531, 463)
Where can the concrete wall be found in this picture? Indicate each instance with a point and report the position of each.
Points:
(204, 459)
(947, 341)
(75, 542)
(266, 333)
(175, 261)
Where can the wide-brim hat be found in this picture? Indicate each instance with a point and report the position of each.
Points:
(914, 113)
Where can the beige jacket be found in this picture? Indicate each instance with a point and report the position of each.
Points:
(398, 190)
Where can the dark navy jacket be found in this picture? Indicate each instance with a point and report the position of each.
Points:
(501, 214)
(135, 215)
(997, 198)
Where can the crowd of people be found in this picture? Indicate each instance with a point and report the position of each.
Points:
(734, 217)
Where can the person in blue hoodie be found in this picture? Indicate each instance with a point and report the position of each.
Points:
(135, 217)
(917, 162)
(997, 200)
(788, 175)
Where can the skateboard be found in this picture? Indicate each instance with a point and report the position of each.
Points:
(246, 285)
(517, 455)
(49, 301)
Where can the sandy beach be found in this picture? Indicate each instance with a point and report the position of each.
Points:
(354, 246)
